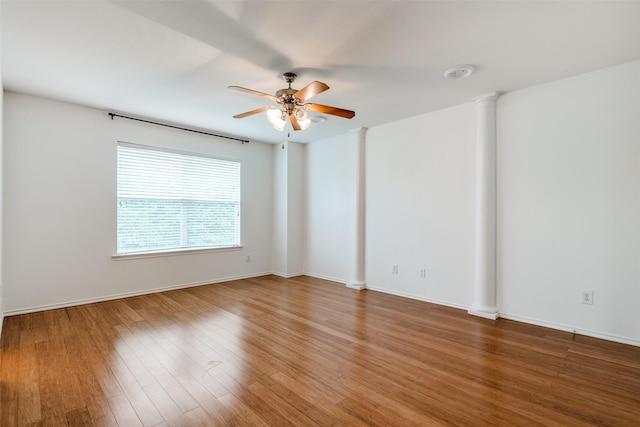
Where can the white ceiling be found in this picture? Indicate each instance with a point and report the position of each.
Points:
(173, 61)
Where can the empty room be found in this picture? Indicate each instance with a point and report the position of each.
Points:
(314, 213)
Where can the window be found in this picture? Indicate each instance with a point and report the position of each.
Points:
(171, 201)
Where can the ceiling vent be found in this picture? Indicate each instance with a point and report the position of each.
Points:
(459, 72)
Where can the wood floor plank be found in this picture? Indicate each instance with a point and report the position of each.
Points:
(9, 372)
(123, 412)
(320, 400)
(304, 351)
(198, 417)
(79, 418)
(96, 350)
(189, 366)
(207, 401)
(308, 409)
(142, 405)
(240, 413)
(130, 359)
(29, 394)
(51, 404)
(90, 387)
(172, 414)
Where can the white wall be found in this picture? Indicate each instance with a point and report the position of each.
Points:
(60, 207)
(330, 208)
(420, 206)
(569, 202)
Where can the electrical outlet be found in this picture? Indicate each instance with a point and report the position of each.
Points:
(587, 297)
(394, 269)
(423, 273)
(248, 257)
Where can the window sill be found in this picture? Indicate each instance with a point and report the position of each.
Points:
(173, 252)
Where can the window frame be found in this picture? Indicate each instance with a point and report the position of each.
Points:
(177, 250)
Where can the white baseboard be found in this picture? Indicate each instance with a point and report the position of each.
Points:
(127, 294)
(566, 328)
(522, 319)
(351, 284)
(287, 275)
(417, 297)
(329, 278)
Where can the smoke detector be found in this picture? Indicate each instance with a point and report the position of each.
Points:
(459, 72)
(318, 119)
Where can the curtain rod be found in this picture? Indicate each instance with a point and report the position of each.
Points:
(178, 127)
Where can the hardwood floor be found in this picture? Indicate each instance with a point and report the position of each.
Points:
(304, 352)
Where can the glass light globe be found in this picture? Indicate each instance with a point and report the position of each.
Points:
(301, 114)
(304, 123)
(279, 126)
(276, 117)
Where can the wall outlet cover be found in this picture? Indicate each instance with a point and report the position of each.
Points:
(587, 297)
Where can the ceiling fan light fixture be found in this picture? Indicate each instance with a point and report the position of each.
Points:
(293, 106)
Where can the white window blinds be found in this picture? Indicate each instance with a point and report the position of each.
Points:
(169, 201)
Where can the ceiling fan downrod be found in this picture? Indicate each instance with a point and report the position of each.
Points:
(289, 77)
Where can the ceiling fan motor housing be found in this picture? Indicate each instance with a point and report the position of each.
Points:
(286, 93)
(286, 96)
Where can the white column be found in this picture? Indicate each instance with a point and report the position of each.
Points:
(485, 299)
(288, 209)
(280, 212)
(357, 276)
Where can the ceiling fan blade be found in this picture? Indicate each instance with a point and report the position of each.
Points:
(294, 122)
(319, 108)
(251, 113)
(310, 90)
(253, 92)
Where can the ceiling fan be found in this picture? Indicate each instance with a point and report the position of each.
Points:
(291, 103)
